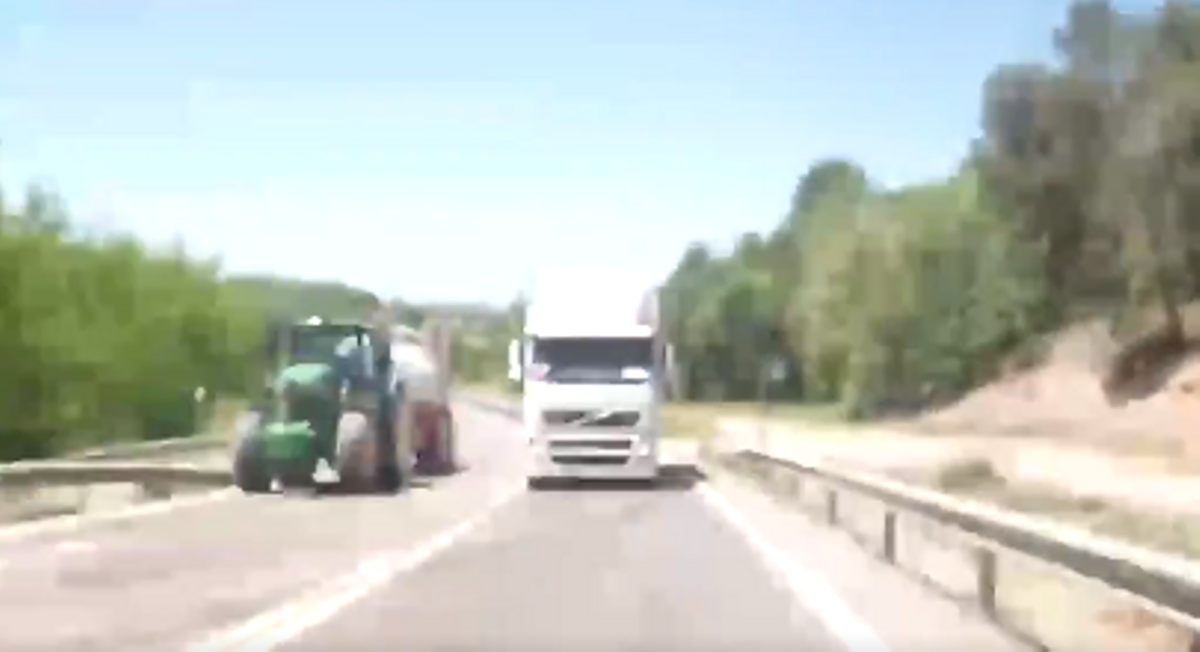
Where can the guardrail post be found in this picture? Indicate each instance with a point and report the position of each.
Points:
(780, 480)
(831, 506)
(154, 491)
(985, 580)
(796, 488)
(889, 536)
(82, 494)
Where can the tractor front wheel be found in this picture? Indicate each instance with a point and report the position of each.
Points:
(250, 472)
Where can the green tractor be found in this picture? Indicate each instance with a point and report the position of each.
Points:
(330, 398)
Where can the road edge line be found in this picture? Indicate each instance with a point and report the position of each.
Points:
(814, 591)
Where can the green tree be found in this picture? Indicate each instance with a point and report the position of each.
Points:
(104, 338)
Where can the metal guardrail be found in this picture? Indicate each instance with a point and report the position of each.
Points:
(150, 449)
(21, 475)
(34, 488)
(162, 447)
(1165, 585)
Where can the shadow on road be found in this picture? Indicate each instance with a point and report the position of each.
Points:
(337, 489)
(672, 477)
(425, 478)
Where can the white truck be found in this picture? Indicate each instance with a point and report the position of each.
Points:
(593, 362)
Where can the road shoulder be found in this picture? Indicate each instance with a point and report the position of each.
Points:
(905, 615)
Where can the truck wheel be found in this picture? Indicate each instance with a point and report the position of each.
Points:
(250, 472)
(355, 451)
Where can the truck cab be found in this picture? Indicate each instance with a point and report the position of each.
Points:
(593, 380)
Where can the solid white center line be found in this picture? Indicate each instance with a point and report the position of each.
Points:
(289, 621)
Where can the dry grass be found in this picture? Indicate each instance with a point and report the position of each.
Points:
(1172, 535)
(699, 420)
(978, 479)
(225, 415)
(494, 388)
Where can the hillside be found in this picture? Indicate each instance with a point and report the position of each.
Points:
(888, 299)
(1070, 396)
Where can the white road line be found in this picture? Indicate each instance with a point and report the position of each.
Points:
(807, 585)
(76, 546)
(71, 522)
(292, 619)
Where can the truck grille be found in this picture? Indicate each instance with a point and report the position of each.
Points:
(608, 451)
(601, 444)
(592, 418)
(606, 460)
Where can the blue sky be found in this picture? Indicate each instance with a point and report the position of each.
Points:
(474, 142)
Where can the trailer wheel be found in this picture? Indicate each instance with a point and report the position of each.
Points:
(439, 452)
(250, 472)
(451, 442)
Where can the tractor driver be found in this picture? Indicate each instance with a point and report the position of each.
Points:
(357, 366)
(352, 364)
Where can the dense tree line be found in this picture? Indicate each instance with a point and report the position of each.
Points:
(479, 341)
(1081, 197)
(104, 338)
(291, 299)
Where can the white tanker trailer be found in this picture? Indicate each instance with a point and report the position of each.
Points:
(422, 363)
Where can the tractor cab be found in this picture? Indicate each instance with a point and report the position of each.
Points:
(322, 353)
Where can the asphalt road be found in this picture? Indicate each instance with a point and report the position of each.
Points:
(472, 562)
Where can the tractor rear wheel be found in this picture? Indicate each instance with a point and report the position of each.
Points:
(355, 452)
(388, 478)
(250, 472)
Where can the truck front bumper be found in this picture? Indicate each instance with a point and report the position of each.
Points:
(640, 463)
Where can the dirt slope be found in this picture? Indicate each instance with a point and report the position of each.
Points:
(1064, 400)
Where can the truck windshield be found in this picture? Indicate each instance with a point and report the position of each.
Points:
(594, 360)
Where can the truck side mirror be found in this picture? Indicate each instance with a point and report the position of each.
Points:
(515, 368)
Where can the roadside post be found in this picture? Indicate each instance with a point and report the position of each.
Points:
(773, 371)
